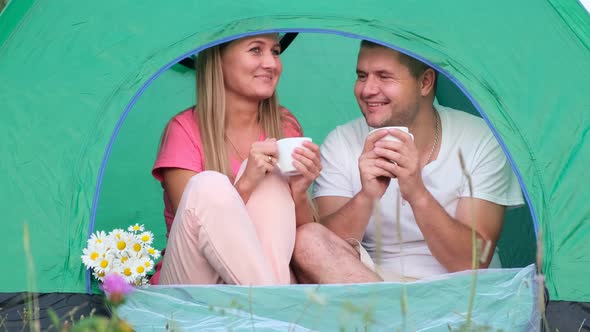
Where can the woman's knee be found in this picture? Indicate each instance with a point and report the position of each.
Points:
(211, 187)
(207, 179)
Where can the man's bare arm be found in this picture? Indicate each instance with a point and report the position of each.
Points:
(450, 239)
(347, 217)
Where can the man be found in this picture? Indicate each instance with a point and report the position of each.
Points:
(367, 183)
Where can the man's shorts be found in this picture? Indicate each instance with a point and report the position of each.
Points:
(365, 258)
(392, 276)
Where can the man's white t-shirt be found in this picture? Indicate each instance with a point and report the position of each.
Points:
(492, 180)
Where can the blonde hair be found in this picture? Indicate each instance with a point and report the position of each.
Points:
(210, 112)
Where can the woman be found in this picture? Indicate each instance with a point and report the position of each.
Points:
(230, 215)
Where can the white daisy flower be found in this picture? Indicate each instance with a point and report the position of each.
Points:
(139, 268)
(99, 275)
(127, 270)
(91, 256)
(123, 259)
(104, 265)
(121, 242)
(116, 234)
(98, 238)
(128, 275)
(155, 253)
(126, 253)
(147, 263)
(146, 237)
(130, 270)
(135, 248)
(136, 228)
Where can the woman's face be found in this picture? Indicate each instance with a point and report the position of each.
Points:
(252, 67)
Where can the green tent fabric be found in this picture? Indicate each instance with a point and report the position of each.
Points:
(78, 137)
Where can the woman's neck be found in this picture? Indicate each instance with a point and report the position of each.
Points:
(241, 128)
(241, 114)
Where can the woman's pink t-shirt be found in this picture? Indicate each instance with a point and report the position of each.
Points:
(181, 147)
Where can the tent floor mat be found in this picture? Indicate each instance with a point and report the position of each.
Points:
(14, 309)
(568, 316)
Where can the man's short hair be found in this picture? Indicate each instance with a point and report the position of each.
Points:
(416, 67)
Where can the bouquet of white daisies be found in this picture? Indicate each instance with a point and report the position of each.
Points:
(127, 253)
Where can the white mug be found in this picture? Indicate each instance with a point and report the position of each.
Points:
(389, 137)
(286, 147)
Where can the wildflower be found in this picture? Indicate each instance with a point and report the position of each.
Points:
(98, 238)
(135, 248)
(135, 228)
(91, 256)
(127, 254)
(155, 253)
(146, 237)
(127, 273)
(122, 242)
(126, 270)
(104, 265)
(116, 287)
(123, 260)
(116, 233)
(147, 263)
(139, 268)
(98, 275)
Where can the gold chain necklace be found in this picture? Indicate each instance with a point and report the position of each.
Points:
(436, 129)
(234, 147)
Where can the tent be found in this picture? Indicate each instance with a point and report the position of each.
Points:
(86, 88)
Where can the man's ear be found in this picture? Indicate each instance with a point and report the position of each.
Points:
(427, 81)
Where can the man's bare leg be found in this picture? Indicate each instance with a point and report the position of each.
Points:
(322, 257)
